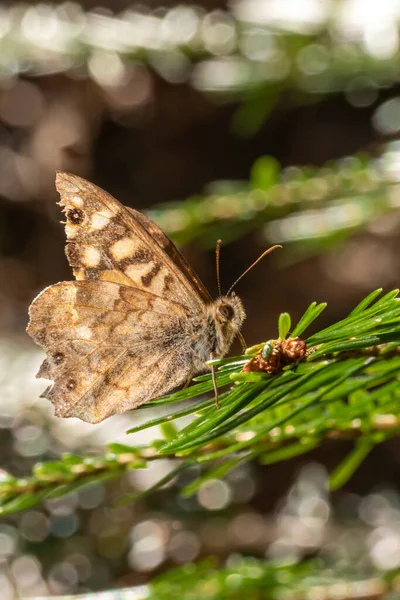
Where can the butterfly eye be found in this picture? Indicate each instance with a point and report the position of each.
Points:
(226, 311)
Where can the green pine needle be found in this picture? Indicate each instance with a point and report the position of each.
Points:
(346, 385)
(284, 324)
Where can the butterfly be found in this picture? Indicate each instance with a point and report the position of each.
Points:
(136, 323)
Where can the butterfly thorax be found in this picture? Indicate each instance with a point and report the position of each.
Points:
(217, 329)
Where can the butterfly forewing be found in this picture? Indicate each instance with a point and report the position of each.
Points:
(172, 251)
(110, 242)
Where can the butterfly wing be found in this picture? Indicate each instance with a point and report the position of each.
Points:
(172, 251)
(109, 347)
(110, 242)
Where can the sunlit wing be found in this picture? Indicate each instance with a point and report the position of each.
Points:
(110, 242)
(109, 347)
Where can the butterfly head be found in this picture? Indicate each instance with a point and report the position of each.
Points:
(229, 310)
(228, 314)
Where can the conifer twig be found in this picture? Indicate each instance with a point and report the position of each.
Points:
(303, 207)
(345, 387)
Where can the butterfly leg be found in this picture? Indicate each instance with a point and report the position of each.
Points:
(243, 342)
(187, 383)
(214, 380)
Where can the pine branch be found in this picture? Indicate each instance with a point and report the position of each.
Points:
(258, 580)
(345, 387)
(307, 209)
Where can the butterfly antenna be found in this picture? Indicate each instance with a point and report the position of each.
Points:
(253, 265)
(217, 253)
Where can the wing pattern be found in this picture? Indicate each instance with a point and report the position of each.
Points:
(107, 241)
(109, 347)
(124, 332)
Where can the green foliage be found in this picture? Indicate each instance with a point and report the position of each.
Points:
(58, 478)
(347, 386)
(307, 209)
(264, 173)
(259, 580)
(256, 579)
(284, 324)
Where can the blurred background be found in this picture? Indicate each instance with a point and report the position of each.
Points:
(257, 121)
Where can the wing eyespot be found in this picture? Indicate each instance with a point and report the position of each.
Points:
(71, 385)
(58, 358)
(76, 216)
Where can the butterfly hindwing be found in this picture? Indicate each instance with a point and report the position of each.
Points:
(109, 347)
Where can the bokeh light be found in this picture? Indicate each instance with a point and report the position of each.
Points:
(165, 103)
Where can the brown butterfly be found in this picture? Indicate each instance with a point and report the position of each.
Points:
(137, 323)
